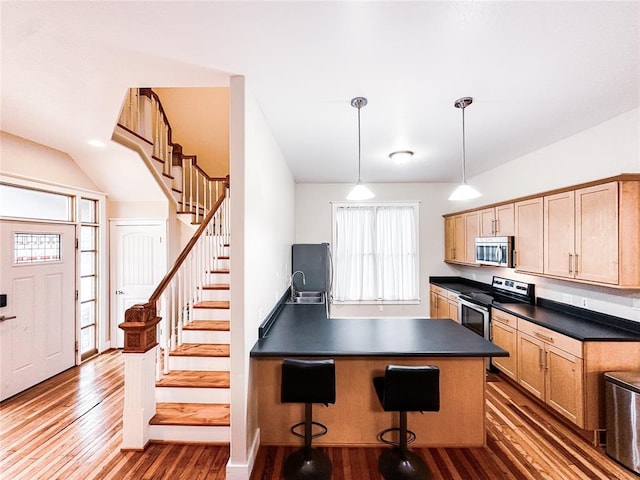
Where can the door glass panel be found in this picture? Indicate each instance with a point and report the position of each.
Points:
(88, 238)
(87, 313)
(87, 263)
(88, 211)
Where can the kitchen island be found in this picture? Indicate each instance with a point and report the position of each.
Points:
(362, 348)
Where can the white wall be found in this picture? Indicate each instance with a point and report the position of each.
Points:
(262, 216)
(607, 149)
(39, 162)
(313, 225)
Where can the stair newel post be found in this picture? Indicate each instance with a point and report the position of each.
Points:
(140, 345)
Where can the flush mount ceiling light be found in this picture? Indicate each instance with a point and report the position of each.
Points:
(401, 156)
(359, 191)
(464, 190)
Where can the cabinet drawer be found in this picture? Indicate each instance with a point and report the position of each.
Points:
(504, 317)
(568, 344)
(439, 290)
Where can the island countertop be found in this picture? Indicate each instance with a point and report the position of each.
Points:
(305, 331)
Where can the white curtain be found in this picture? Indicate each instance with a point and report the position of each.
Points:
(375, 253)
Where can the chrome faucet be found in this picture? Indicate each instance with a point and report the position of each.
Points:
(304, 282)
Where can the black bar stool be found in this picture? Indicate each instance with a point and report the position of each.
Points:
(308, 382)
(406, 389)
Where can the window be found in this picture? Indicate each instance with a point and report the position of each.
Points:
(375, 252)
(19, 202)
(88, 277)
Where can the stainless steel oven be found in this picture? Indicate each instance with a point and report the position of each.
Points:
(475, 317)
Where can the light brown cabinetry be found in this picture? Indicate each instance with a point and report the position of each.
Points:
(443, 303)
(497, 221)
(504, 334)
(550, 367)
(581, 234)
(529, 252)
(460, 237)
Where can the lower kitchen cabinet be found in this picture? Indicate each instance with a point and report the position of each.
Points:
(443, 303)
(504, 334)
(550, 373)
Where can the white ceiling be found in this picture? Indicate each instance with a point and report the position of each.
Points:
(538, 72)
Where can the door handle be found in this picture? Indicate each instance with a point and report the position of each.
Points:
(119, 292)
(3, 318)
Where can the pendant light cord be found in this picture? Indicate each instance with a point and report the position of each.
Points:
(359, 142)
(464, 152)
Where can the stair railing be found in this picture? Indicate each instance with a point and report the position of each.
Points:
(142, 114)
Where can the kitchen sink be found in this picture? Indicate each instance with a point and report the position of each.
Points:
(307, 297)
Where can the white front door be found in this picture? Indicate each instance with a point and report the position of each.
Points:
(137, 267)
(37, 325)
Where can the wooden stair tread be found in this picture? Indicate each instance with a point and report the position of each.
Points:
(201, 350)
(208, 325)
(220, 270)
(216, 286)
(191, 414)
(194, 379)
(219, 304)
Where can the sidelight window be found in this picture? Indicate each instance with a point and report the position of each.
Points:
(375, 252)
(88, 292)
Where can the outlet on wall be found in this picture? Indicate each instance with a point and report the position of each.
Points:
(583, 302)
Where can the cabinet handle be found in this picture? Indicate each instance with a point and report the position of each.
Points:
(576, 264)
(546, 360)
(493, 227)
(497, 227)
(540, 363)
(543, 337)
(570, 263)
(515, 258)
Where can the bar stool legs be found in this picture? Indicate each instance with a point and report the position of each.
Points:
(400, 463)
(308, 463)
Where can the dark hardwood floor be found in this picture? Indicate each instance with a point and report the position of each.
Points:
(69, 428)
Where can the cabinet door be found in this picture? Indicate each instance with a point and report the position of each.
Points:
(505, 337)
(531, 364)
(596, 243)
(433, 304)
(528, 236)
(443, 307)
(458, 239)
(504, 220)
(449, 238)
(452, 310)
(472, 230)
(559, 233)
(564, 386)
(487, 222)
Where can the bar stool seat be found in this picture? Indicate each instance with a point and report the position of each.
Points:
(308, 382)
(406, 389)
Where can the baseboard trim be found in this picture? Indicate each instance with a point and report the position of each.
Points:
(242, 471)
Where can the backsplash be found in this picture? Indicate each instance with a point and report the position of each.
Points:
(619, 303)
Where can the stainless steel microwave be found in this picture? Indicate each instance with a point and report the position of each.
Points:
(497, 251)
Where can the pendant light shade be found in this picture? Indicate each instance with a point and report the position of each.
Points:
(464, 190)
(359, 191)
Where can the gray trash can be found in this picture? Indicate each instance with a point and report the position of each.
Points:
(622, 391)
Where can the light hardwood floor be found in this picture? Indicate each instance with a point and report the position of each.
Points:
(69, 428)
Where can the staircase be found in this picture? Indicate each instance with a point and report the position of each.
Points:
(192, 388)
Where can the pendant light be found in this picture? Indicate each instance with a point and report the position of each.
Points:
(464, 190)
(359, 191)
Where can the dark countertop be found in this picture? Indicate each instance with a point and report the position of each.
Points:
(305, 330)
(571, 322)
(579, 323)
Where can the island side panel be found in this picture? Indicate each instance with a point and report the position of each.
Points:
(357, 417)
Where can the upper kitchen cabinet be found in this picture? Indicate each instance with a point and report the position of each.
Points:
(497, 221)
(529, 252)
(581, 234)
(585, 233)
(460, 232)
